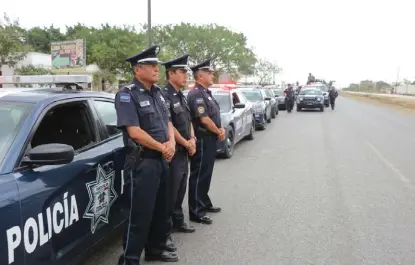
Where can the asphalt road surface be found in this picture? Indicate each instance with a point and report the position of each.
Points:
(314, 188)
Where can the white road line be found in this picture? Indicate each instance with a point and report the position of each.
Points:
(389, 164)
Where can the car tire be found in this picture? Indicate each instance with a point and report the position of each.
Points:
(273, 111)
(298, 109)
(321, 109)
(250, 136)
(230, 143)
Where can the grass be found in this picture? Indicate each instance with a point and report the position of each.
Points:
(396, 103)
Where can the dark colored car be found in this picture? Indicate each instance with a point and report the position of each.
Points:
(262, 108)
(310, 98)
(324, 89)
(237, 116)
(280, 97)
(61, 174)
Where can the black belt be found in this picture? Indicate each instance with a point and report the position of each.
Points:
(150, 153)
(202, 132)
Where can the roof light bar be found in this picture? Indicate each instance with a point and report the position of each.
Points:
(45, 79)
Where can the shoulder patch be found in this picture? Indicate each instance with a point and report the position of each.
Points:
(125, 97)
(199, 101)
(201, 110)
(130, 86)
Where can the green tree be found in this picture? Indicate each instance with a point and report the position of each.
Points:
(108, 47)
(228, 49)
(265, 71)
(32, 70)
(12, 42)
(40, 38)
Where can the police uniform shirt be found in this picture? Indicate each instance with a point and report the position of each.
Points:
(147, 109)
(203, 104)
(179, 110)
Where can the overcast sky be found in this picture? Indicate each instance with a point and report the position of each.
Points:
(344, 40)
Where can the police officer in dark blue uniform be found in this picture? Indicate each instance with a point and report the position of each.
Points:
(205, 113)
(143, 115)
(176, 74)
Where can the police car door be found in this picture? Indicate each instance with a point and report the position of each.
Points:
(66, 208)
(238, 116)
(247, 114)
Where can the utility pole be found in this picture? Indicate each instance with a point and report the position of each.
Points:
(150, 41)
(397, 79)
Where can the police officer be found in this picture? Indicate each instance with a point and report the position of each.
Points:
(143, 115)
(206, 121)
(289, 98)
(332, 96)
(176, 74)
(310, 79)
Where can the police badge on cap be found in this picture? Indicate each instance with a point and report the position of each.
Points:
(177, 63)
(148, 56)
(203, 66)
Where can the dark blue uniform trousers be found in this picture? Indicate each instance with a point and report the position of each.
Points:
(179, 171)
(148, 222)
(201, 169)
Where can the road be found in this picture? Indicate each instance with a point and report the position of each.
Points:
(313, 188)
(408, 97)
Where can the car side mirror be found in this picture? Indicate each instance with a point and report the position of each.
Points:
(239, 106)
(50, 154)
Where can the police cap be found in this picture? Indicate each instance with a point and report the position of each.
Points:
(177, 63)
(148, 56)
(203, 66)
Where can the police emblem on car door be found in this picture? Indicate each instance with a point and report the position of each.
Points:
(101, 197)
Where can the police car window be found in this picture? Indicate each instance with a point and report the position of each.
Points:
(224, 101)
(311, 92)
(12, 116)
(253, 95)
(69, 124)
(278, 92)
(241, 97)
(108, 115)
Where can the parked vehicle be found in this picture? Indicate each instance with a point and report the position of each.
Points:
(273, 102)
(237, 116)
(280, 97)
(262, 108)
(61, 172)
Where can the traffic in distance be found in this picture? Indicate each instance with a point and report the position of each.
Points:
(62, 179)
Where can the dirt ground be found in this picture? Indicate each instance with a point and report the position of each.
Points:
(402, 104)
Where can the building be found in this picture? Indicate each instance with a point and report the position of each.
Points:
(41, 60)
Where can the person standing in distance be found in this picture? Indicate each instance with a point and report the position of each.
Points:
(143, 115)
(176, 74)
(205, 113)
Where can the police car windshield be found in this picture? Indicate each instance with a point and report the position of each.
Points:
(311, 92)
(12, 116)
(252, 95)
(277, 92)
(322, 88)
(224, 101)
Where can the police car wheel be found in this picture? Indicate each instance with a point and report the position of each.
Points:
(250, 136)
(229, 144)
(273, 113)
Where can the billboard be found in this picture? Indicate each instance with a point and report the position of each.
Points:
(68, 56)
